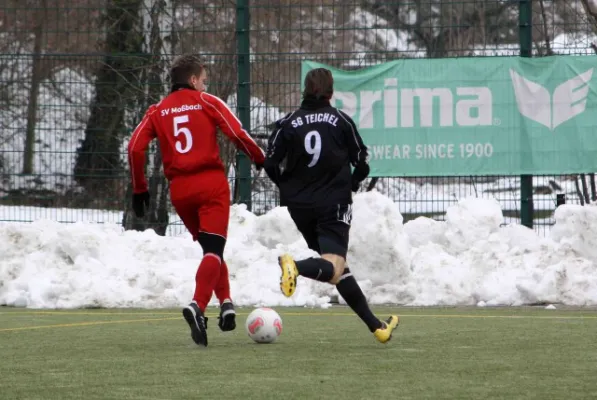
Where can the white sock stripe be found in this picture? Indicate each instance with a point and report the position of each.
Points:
(345, 276)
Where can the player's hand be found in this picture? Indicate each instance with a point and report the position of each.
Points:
(140, 203)
(356, 185)
(259, 167)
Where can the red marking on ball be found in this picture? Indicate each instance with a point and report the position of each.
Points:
(256, 324)
(278, 326)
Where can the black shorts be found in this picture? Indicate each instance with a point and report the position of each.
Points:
(325, 229)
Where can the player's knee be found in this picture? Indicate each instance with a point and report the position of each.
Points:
(339, 263)
(345, 274)
(338, 271)
(212, 243)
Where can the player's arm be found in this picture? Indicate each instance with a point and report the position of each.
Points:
(143, 134)
(276, 152)
(232, 128)
(359, 155)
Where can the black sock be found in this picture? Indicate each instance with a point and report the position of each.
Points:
(316, 268)
(351, 292)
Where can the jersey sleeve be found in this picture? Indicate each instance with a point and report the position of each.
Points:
(276, 152)
(232, 128)
(358, 152)
(143, 134)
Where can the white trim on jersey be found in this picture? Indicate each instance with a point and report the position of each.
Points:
(227, 123)
(347, 216)
(279, 130)
(340, 113)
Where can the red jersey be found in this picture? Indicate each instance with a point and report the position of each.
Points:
(185, 124)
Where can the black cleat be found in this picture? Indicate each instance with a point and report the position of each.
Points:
(197, 322)
(227, 319)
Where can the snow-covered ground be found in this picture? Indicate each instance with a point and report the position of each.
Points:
(466, 260)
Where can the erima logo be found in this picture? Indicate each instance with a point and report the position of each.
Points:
(424, 107)
(534, 101)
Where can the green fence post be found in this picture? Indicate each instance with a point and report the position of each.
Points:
(525, 30)
(243, 96)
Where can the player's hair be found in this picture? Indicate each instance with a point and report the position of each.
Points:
(184, 67)
(319, 83)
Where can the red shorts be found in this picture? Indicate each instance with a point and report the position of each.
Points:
(202, 201)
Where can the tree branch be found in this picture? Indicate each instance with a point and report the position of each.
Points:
(548, 49)
(435, 44)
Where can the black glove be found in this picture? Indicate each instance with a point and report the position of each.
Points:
(140, 203)
(259, 167)
(355, 185)
(359, 174)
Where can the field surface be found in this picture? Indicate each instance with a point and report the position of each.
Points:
(437, 353)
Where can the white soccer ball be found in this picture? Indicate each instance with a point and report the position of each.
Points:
(264, 325)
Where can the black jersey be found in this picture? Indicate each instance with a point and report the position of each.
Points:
(310, 154)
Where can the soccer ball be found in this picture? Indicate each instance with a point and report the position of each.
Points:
(264, 325)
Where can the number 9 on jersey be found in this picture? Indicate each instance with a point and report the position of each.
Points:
(313, 147)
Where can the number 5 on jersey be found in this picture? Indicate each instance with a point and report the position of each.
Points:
(313, 147)
(182, 119)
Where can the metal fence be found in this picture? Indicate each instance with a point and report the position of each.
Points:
(75, 77)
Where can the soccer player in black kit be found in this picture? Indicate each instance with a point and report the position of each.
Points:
(309, 158)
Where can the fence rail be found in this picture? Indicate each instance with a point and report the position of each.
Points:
(76, 75)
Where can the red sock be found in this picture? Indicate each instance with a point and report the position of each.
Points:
(206, 279)
(223, 287)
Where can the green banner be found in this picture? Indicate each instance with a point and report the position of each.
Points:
(473, 116)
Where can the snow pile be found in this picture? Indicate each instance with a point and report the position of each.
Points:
(578, 233)
(466, 260)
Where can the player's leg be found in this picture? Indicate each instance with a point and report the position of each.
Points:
(208, 272)
(187, 211)
(220, 203)
(333, 234)
(306, 222)
(222, 289)
(334, 229)
(351, 292)
(227, 318)
(213, 221)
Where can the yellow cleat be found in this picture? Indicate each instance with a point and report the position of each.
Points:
(289, 275)
(384, 334)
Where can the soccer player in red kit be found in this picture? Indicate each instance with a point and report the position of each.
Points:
(185, 123)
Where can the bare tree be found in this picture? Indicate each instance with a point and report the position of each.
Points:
(117, 82)
(579, 193)
(31, 33)
(36, 78)
(445, 28)
(156, 18)
(590, 8)
(544, 47)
